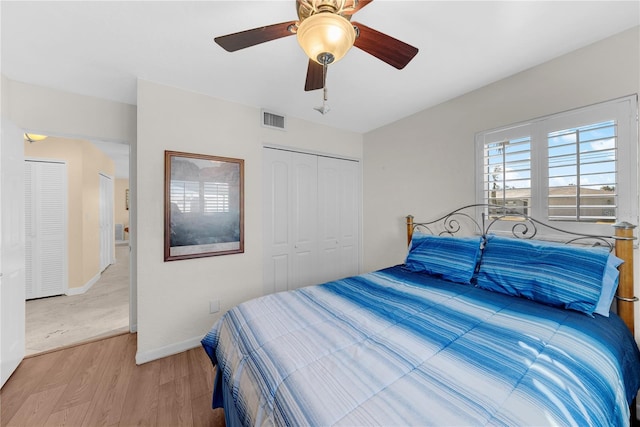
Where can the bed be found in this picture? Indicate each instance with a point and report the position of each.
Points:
(475, 328)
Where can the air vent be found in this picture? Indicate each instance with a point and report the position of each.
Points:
(273, 120)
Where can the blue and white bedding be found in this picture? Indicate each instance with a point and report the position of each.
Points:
(396, 347)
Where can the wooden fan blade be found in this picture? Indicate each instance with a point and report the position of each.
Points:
(392, 51)
(361, 4)
(315, 78)
(248, 38)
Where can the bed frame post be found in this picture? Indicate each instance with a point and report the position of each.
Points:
(624, 250)
(409, 229)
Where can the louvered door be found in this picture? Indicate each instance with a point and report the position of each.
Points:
(45, 228)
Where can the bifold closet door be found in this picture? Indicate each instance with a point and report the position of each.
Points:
(311, 219)
(290, 216)
(45, 228)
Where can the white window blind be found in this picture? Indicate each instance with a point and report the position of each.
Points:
(206, 197)
(508, 174)
(583, 173)
(216, 197)
(577, 166)
(185, 195)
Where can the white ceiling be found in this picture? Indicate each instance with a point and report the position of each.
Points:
(102, 48)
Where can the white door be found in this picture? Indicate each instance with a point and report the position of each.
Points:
(45, 202)
(338, 217)
(276, 196)
(304, 218)
(290, 215)
(106, 222)
(12, 303)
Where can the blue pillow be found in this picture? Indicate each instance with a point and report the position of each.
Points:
(609, 285)
(452, 258)
(550, 273)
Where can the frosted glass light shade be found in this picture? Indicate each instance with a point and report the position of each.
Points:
(326, 33)
(32, 137)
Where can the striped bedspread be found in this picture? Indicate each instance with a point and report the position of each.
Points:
(398, 348)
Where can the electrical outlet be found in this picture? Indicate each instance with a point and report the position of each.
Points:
(214, 306)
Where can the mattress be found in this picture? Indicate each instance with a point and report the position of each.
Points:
(395, 347)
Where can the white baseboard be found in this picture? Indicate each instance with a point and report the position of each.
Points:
(159, 353)
(85, 288)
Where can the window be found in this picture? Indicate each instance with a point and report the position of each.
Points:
(582, 173)
(216, 197)
(508, 173)
(188, 196)
(578, 166)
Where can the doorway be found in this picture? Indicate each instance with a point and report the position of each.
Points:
(96, 301)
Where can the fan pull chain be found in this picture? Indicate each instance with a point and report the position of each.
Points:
(324, 109)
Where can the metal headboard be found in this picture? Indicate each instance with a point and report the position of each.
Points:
(465, 220)
(475, 219)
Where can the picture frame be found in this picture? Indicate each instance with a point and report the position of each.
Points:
(204, 206)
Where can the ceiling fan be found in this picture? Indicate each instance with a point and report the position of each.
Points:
(325, 32)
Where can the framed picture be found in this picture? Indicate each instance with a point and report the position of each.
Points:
(204, 206)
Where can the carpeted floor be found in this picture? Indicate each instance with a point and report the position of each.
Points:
(103, 310)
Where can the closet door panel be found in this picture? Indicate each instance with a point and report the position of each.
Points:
(349, 240)
(45, 214)
(311, 219)
(51, 278)
(304, 220)
(276, 201)
(329, 184)
(339, 221)
(279, 272)
(280, 242)
(52, 228)
(280, 196)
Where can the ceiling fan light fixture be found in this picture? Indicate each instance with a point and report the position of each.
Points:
(32, 137)
(326, 37)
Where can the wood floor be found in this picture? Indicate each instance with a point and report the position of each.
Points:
(98, 384)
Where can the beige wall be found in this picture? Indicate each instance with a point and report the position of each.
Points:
(94, 163)
(84, 163)
(173, 297)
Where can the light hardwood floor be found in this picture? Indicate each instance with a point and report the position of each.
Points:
(99, 384)
(103, 310)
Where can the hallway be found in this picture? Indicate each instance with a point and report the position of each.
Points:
(103, 310)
